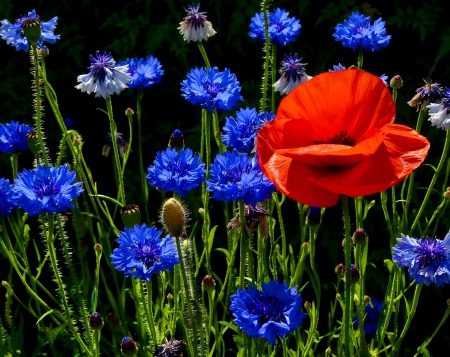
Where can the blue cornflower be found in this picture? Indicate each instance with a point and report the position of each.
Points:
(240, 133)
(46, 190)
(340, 67)
(68, 123)
(176, 171)
(13, 137)
(440, 112)
(6, 202)
(357, 32)
(144, 72)
(236, 176)
(104, 77)
(211, 89)
(195, 27)
(292, 74)
(282, 29)
(427, 259)
(13, 33)
(273, 310)
(373, 312)
(142, 252)
(429, 93)
(122, 145)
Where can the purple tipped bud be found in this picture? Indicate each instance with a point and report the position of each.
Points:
(96, 321)
(128, 347)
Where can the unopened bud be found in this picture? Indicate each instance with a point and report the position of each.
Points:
(313, 219)
(447, 193)
(129, 113)
(96, 321)
(218, 134)
(209, 283)
(359, 237)
(112, 319)
(339, 269)
(32, 141)
(305, 245)
(130, 215)
(176, 140)
(169, 296)
(31, 29)
(128, 347)
(307, 306)
(173, 217)
(355, 275)
(352, 242)
(328, 352)
(98, 247)
(367, 299)
(396, 82)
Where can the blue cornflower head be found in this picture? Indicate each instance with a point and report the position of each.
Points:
(427, 259)
(292, 74)
(6, 202)
(176, 171)
(13, 33)
(144, 72)
(68, 123)
(236, 176)
(104, 77)
(357, 32)
(195, 27)
(240, 133)
(440, 112)
(46, 190)
(13, 137)
(211, 89)
(282, 28)
(340, 67)
(142, 252)
(122, 145)
(273, 310)
(372, 312)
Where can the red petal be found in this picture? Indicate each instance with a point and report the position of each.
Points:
(348, 100)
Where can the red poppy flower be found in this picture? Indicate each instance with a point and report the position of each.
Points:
(333, 135)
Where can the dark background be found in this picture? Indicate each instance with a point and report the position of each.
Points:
(419, 48)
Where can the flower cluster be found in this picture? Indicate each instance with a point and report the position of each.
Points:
(236, 176)
(176, 171)
(240, 133)
(440, 112)
(13, 137)
(357, 32)
(195, 27)
(104, 77)
(14, 35)
(427, 259)
(292, 74)
(273, 310)
(142, 253)
(46, 190)
(282, 28)
(211, 89)
(144, 72)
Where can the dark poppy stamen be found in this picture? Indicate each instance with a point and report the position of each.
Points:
(341, 138)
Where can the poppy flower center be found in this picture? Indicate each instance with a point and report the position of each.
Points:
(430, 251)
(341, 138)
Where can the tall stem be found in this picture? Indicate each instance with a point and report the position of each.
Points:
(144, 183)
(348, 279)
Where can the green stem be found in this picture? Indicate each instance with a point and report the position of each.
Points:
(203, 52)
(144, 183)
(97, 342)
(348, 279)
(274, 76)
(283, 233)
(433, 181)
(243, 251)
(360, 58)
(14, 162)
(98, 257)
(113, 129)
(267, 57)
(149, 312)
(38, 105)
(412, 311)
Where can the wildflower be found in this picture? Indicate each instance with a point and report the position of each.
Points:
(195, 27)
(46, 190)
(273, 310)
(253, 217)
(236, 176)
(208, 283)
(104, 77)
(170, 348)
(14, 33)
(6, 202)
(211, 89)
(373, 312)
(396, 82)
(345, 144)
(292, 74)
(440, 112)
(282, 28)
(96, 321)
(68, 123)
(144, 72)
(13, 137)
(142, 252)
(429, 93)
(240, 133)
(122, 145)
(128, 347)
(339, 67)
(176, 140)
(176, 171)
(357, 32)
(427, 259)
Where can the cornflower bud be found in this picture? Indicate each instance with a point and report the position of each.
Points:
(128, 347)
(96, 321)
(396, 82)
(359, 237)
(209, 283)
